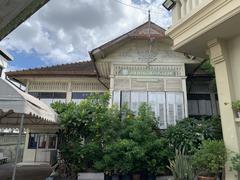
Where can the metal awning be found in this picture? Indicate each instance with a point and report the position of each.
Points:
(14, 103)
(18, 109)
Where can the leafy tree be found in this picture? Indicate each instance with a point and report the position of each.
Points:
(189, 133)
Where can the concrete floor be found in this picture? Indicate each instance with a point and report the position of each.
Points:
(37, 172)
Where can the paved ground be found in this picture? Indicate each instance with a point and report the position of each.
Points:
(25, 172)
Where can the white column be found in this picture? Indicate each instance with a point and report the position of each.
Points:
(221, 62)
(184, 87)
(69, 93)
(188, 6)
(183, 8)
(176, 15)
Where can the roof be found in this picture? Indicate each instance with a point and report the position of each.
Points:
(148, 30)
(14, 12)
(84, 68)
(5, 54)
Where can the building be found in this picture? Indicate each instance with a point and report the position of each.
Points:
(205, 28)
(5, 57)
(137, 67)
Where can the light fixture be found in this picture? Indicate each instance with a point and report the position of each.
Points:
(169, 4)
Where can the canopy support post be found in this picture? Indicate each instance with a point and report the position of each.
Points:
(18, 146)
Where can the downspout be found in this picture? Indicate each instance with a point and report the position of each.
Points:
(95, 67)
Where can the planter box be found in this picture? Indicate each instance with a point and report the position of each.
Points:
(90, 176)
(165, 178)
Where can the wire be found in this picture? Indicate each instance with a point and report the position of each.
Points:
(136, 7)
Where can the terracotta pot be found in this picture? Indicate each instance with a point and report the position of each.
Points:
(206, 178)
(136, 177)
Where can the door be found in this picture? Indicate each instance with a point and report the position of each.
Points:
(46, 150)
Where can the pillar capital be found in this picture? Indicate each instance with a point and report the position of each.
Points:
(216, 51)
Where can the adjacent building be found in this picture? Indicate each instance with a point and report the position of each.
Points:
(137, 67)
(211, 28)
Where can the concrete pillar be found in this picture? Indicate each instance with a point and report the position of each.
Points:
(184, 87)
(69, 93)
(176, 13)
(221, 62)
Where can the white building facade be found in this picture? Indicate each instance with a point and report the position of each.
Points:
(136, 67)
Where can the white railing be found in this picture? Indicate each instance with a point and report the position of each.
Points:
(185, 7)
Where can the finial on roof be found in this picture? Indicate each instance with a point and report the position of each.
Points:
(149, 15)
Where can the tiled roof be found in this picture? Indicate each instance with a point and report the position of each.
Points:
(84, 68)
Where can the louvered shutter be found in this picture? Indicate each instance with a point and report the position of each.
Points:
(162, 122)
(171, 114)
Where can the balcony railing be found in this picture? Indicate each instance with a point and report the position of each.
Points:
(186, 7)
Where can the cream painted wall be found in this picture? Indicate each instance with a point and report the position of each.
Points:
(234, 56)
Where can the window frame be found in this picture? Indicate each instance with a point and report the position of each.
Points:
(165, 105)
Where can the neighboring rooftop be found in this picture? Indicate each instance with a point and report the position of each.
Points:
(78, 69)
(148, 30)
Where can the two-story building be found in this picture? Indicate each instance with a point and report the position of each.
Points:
(211, 28)
(137, 67)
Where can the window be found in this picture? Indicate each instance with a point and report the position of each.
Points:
(78, 96)
(32, 142)
(42, 141)
(52, 141)
(50, 97)
(199, 105)
(167, 106)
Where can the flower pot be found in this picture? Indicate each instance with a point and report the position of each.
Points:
(206, 178)
(136, 177)
(151, 177)
(115, 177)
(125, 177)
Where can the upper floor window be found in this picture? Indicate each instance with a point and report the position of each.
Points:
(79, 96)
(50, 97)
(167, 106)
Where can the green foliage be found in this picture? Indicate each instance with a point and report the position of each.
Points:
(181, 167)
(236, 105)
(235, 162)
(189, 133)
(206, 66)
(210, 158)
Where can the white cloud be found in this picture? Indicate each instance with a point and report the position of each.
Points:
(64, 31)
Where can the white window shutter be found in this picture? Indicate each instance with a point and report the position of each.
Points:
(171, 116)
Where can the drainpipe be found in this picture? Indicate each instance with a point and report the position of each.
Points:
(95, 67)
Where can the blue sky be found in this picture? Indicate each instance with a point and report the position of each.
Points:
(64, 31)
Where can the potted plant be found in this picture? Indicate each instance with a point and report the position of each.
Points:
(236, 107)
(181, 166)
(209, 160)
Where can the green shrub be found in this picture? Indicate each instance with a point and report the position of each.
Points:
(189, 133)
(236, 105)
(181, 167)
(235, 162)
(210, 158)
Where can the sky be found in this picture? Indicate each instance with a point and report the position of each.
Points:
(64, 31)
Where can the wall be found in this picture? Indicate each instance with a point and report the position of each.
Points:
(233, 47)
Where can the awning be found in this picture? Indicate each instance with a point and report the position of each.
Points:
(18, 109)
(14, 103)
